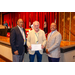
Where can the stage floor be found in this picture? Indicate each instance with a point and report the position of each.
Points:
(6, 40)
(1, 60)
(67, 50)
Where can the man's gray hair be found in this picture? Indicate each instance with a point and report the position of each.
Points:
(35, 22)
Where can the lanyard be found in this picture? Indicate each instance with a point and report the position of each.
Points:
(37, 37)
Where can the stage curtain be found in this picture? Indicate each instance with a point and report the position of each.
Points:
(21, 14)
(43, 18)
(41, 21)
(6, 18)
(24, 19)
(16, 18)
(32, 17)
(10, 20)
(48, 22)
(36, 18)
(12, 17)
(53, 16)
(18, 14)
(27, 19)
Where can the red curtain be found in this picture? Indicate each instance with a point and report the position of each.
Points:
(6, 18)
(32, 17)
(27, 19)
(24, 19)
(10, 20)
(48, 23)
(16, 16)
(12, 17)
(53, 16)
(41, 20)
(36, 18)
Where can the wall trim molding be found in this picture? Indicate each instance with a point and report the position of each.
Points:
(5, 59)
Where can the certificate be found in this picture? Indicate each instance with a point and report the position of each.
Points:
(36, 47)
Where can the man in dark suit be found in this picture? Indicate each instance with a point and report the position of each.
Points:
(18, 41)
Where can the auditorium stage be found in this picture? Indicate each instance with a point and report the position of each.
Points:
(67, 51)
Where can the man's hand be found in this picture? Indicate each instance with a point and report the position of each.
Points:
(29, 47)
(47, 51)
(42, 46)
(16, 52)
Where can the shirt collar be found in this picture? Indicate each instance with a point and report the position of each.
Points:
(53, 31)
(37, 32)
(20, 27)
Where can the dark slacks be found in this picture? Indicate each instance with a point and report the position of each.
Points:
(19, 58)
(50, 59)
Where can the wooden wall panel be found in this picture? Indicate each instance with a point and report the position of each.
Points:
(0, 18)
(61, 23)
(67, 24)
(73, 26)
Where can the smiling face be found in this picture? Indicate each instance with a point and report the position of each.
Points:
(53, 26)
(20, 22)
(36, 26)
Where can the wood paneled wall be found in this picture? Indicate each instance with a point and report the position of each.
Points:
(0, 18)
(67, 25)
(73, 26)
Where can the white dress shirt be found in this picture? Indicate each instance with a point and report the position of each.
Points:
(23, 34)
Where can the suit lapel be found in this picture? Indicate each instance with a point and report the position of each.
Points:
(19, 32)
(48, 36)
(24, 32)
(51, 35)
(54, 33)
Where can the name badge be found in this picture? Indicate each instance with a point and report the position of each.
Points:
(24, 40)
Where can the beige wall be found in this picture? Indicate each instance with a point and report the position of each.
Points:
(6, 51)
(68, 56)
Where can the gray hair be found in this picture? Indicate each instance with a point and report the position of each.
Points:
(35, 22)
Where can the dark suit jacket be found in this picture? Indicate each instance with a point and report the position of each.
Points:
(16, 40)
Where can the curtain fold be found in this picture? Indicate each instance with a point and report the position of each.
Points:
(36, 18)
(12, 18)
(27, 19)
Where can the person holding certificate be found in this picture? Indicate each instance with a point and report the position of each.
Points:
(36, 41)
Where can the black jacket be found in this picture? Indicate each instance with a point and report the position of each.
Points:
(16, 40)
